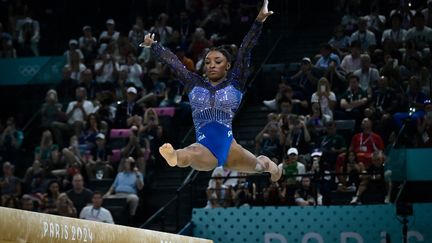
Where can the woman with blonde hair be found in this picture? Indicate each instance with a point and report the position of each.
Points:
(325, 98)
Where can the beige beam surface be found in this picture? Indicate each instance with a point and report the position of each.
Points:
(23, 226)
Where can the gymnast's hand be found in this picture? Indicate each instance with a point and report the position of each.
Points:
(264, 13)
(148, 40)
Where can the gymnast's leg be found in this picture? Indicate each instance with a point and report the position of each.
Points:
(195, 155)
(242, 160)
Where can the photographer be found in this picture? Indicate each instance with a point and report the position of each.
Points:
(127, 184)
(135, 149)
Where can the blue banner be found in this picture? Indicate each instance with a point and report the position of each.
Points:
(410, 164)
(31, 70)
(345, 224)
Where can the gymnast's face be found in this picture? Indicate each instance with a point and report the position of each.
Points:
(216, 66)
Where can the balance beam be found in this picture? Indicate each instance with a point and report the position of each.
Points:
(24, 226)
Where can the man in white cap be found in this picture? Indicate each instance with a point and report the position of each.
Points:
(128, 112)
(290, 167)
(98, 165)
(73, 47)
(110, 34)
(88, 44)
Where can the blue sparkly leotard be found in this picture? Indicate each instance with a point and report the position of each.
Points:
(213, 107)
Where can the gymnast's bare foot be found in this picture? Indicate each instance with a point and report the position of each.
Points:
(168, 152)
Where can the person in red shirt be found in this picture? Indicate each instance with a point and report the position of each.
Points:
(366, 142)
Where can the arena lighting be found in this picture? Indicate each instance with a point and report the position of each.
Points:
(24, 226)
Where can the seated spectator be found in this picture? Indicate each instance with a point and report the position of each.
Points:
(65, 206)
(368, 76)
(413, 103)
(326, 57)
(268, 142)
(374, 179)
(331, 144)
(76, 112)
(384, 99)
(136, 148)
(291, 167)
(325, 98)
(87, 81)
(47, 152)
(31, 172)
(365, 37)
(88, 44)
(340, 41)
(128, 111)
(427, 13)
(87, 138)
(66, 87)
(11, 140)
(51, 109)
(98, 166)
(351, 169)
(420, 34)
(315, 124)
(375, 21)
(306, 195)
(28, 204)
(299, 103)
(49, 201)
(395, 34)
(354, 101)
(28, 37)
(198, 44)
(406, 12)
(336, 77)
(350, 19)
(351, 62)
(307, 77)
(7, 49)
(424, 127)
(10, 185)
(106, 69)
(134, 71)
(189, 64)
(151, 129)
(79, 195)
(161, 29)
(126, 185)
(366, 142)
(220, 191)
(96, 212)
(73, 50)
(137, 33)
(298, 135)
(75, 65)
(110, 34)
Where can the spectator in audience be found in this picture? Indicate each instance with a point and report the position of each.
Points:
(340, 41)
(79, 195)
(351, 169)
(75, 65)
(306, 195)
(28, 204)
(299, 103)
(110, 34)
(384, 100)
(128, 112)
(331, 144)
(325, 98)
(180, 53)
(351, 62)
(136, 34)
(427, 13)
(220, 189)
(364, 36)
(98, 166)
(66, 87)
(307, 77)
(87, 138)
(73, 49)
(375, 178)
(10, 185)
(7, 49)
(11, 140)
(268, 142)
(368, 76)
(49, 201)
(31, 172)
(198, 44)
(290, 167)
(88, 44)
(336, 78)
(354, 101)
(96, 212)
(134, 71)
(161, 29)
(28, 37)
(298, 136)
(106, 70)
(326, 57)
(424, 127)
(51, 109)
(65, 206)
(395, 34)
(366, 142)
(73, 157)
(350, 19)
(47, 152)
(126, 185)
(135, 149)
(406, 12)
(420, 34)
(151, 128)
(375, 21)
(87, 81)
(76, 112)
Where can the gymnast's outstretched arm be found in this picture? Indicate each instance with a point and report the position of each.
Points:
(165, 56)
(240, 71)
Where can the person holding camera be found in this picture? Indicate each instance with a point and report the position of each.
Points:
(136, 149)
(127, 184)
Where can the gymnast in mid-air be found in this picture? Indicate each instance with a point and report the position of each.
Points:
(214, 99)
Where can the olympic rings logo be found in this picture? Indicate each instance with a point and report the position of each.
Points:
(28, 70)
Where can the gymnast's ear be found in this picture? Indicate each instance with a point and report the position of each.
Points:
(228, 66)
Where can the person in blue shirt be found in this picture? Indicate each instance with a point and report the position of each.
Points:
(214, 101)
